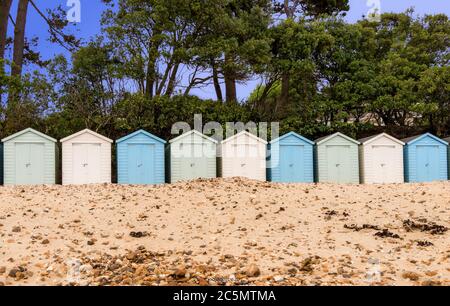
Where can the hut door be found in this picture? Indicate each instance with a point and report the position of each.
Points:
(427, 163)
(291, 163)
(140, 163)
(29, 163)
(338, 164)
(194, 164)
(86, 163)
(382, 163)
(247, 160)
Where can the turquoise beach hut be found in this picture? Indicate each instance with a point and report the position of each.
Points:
(448, 155)
(140, 159)
(29, 158)
(291, 159)
(426, 159)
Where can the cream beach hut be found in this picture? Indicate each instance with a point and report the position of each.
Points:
(191, 156)
(244, 155)
(29, 158)
(381, 159)
(86, 158)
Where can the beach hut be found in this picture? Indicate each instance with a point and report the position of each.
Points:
(244, 155)
(448, 155)
(425, 158)
(381, 160)
(337, 159)
(191, 156)
(140, 159)
(29, 158)
(1, 163)
(86, 158)
(291, 159)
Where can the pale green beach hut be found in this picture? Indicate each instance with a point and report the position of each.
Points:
(337, 159)
(29, 158)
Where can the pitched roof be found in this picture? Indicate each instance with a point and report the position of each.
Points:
(368, 140)
(247, 134)
(193, 132)
(140, 132)
(88, 132)
(31, 131)
(295, 135)
(411, 140)
(326, 138)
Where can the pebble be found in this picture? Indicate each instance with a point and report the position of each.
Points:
(253, 271)
(413, 276)
(180, 272)
(278, 279)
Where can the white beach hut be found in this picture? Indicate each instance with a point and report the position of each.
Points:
(244, 155)
(86, 158)
(381, 159)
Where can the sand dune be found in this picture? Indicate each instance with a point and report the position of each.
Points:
(226, 232)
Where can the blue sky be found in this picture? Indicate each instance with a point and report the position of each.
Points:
(91, 11)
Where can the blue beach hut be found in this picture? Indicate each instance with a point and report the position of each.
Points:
(291, 159)
(140, 159)
(425, 158)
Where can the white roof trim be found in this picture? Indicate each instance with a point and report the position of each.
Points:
(87, 131)
(196, 133)
(338, 134)
(31, 131)
(383, 135)
(247, 134)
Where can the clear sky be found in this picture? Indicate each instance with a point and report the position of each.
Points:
(91, 11)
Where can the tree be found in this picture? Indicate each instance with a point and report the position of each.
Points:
(56, 23)
(211, 39)
(152, 37)
(90, 88)
(293, 9)
(19, 38)
(5, 7)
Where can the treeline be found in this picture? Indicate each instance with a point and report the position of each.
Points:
(318, 74)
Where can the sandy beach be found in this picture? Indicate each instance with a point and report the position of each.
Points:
(226, 232)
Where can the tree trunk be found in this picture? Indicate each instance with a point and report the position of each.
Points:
(19, 38)
(150, 79)
(217, 83)
(164, 79)
(172, 80)
(5, 7)
(231, 94)
(230, 81)
(283, 100)
(151, 68)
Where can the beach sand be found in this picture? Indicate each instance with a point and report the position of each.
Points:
(226, 232)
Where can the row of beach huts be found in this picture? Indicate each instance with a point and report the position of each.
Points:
(32, 158)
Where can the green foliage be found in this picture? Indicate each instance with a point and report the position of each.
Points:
(359, 78)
